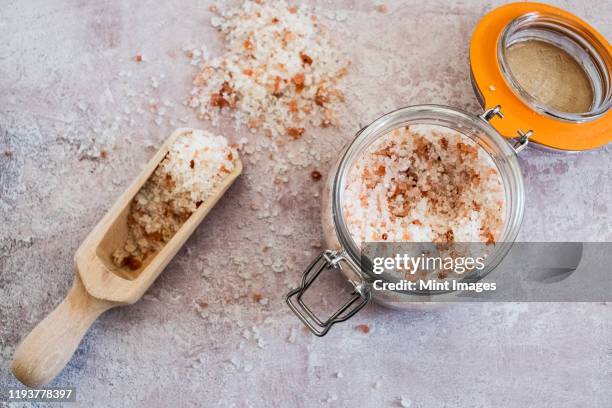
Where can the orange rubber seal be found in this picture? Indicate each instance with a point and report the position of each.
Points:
(494, 90)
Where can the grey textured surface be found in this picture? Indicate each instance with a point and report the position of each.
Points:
(69, 88)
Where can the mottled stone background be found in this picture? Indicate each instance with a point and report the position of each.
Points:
(69, 90)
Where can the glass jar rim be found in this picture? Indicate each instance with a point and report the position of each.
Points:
(556, 30)
(432, 114)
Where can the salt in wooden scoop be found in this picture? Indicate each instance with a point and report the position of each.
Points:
(99, 284)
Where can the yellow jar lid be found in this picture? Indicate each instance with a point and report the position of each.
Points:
(494, 88)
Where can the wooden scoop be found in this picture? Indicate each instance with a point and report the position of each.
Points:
(99, 284)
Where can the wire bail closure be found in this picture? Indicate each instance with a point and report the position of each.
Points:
(359, 298)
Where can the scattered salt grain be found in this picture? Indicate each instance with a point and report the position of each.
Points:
(381, 7)
(279, 72)
(292, 336)
(261, 343)
(404, 402)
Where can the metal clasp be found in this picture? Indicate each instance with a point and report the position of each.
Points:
(491, 113)
(523, 137)
(359, 298)
(522, 140)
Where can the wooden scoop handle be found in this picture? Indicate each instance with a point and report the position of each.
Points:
(48, 348)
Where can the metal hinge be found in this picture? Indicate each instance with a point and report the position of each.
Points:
(523, 137)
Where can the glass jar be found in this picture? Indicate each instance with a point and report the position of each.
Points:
(575, 40)
(344, 254)
(495, 84)
(496, 88)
